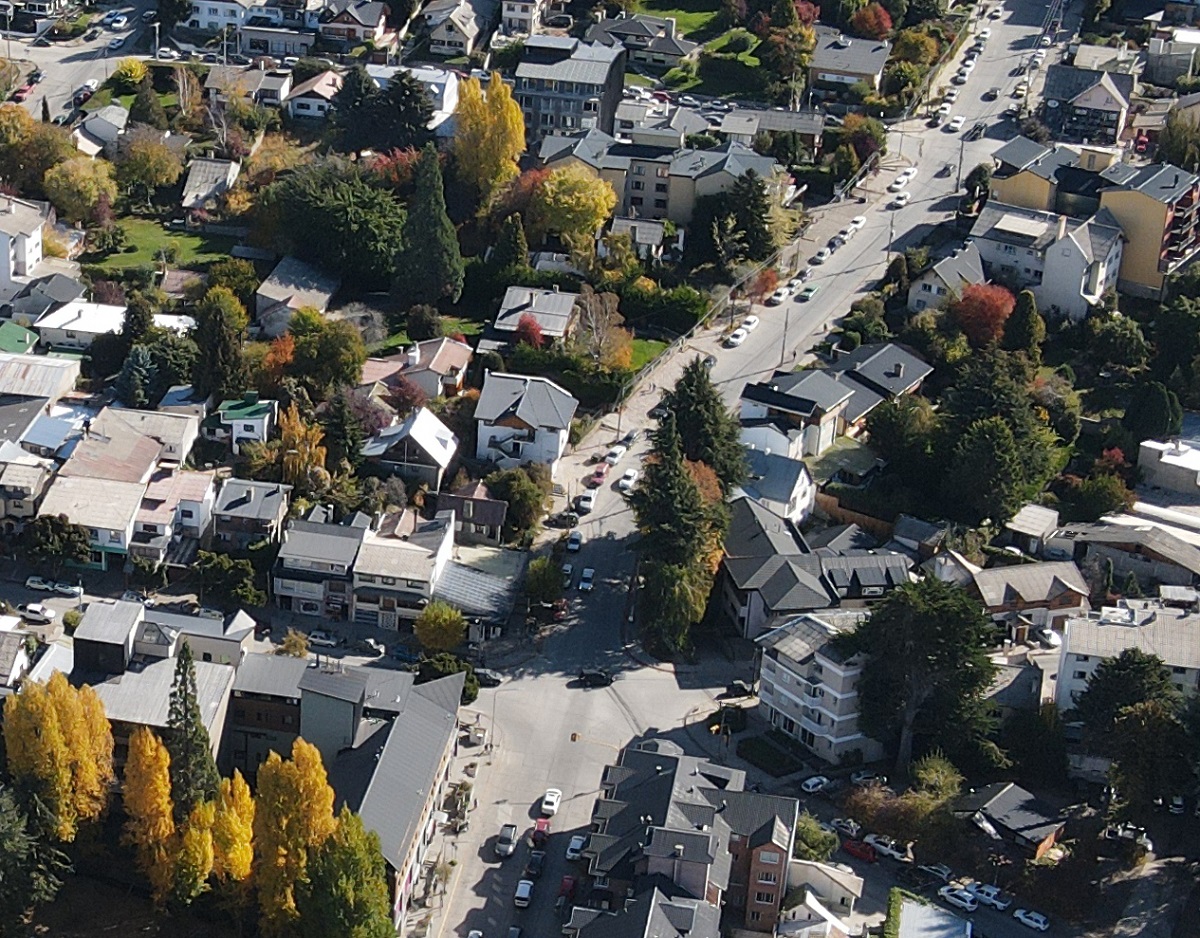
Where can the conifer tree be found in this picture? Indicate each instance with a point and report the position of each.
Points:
(1025, 330)
(752, 213)
(194, 775)
(708, 432)
(344, 432)
(512, 250)
(429, 266)
(134, 383)
(671, 514)
(150, 828)
(220, 327)
(147, 108)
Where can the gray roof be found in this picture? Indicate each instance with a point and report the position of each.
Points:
(590, 147)
(1161, 181)
(328, 543)
(962, 268)
(799, 638)
(18, 414)
(1019, 226)
(245, 498)
(798, 392)
(1029, 583)
(1064, 83)
(271, 675)
(1098, 235)
(802, 122)
(885, 368)
(551, 309)
(347, 684)
(109, 622)
(755, 531)
(856, 570)
(773, 476)
(141, 695)
(731, 157)
(297, 283)
(538, 402)
(640, 230)
(585, 63)
(1142, 539)
(1014, 809)
(654, 33)
(840, 538)
(476, 592)
(786, 583)
(1034, 520)
(40, 296)
(841, 53)
(48, 433)
(1020, 152)
(484, 509)
(1149, 625)
(656, 910)
(207, 179)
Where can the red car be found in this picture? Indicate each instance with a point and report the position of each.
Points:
(567, 887)
(864, 851)
(541, 833)
(599, 474)
(22, 93)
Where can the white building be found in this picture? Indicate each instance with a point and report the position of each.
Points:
(107, 508)
(943, 283)
(77, 324)
(780, 483)
(522, 419)
(440, 84)
(1173, 465)
(20, 243)
(212, 16)
(394, 576)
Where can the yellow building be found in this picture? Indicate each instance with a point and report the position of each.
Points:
(1062, 179)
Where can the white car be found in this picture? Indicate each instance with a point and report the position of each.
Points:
(550, 802)
(959, 898)
(989, 895)
(750, 323)
(322, 639)
(736, 338)
(109, 17)
(1047, 41)
(166, 53)
(888, 847)
(910, 173)
(74, 590)
(775, 299)
(968, 65)
(996, 13)
(902, 200)
(1021, 90)
(628, 480)
(898, 183)
(1034, 920)
(822, 256)
(119, 22)
(950, 95)
(844, 825)
(813, 785)
(37, 583)
(587, 580)
(614, 455)
(858, 222)
(524, 894)
(957, 124)
(1176, 805)
(37, 613)
(575, 847)
(945, 110)
(587, 502)
(960, 77)
(985, 34)
(575, 541)
(133, 596)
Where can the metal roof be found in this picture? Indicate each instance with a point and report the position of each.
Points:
(271, 675)
(245, 498)
(538, 402)
(94, 503)
(329, 543)
(475, 592)
(1029, 583)
(141, 695)
(841, 53)
(109, 622)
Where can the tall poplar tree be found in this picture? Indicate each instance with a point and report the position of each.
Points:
(194, 775)
(489, 136)
(150, 828)
(233, 830)
(429, 266)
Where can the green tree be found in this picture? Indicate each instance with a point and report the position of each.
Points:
(136, 379)
(985, 477)
(352, 109)
(1178, 142)
(139, 317)
(220, 330)
(172, 12)
(147, 108)
(31, 868)
(51, 541)
(445, 664)
(1132, 677)
(672, 600)
(194, 775)
(1149, 747)
(370, 118)
(1154, 413)
(344, 432)
(1025, 330)
(238, 276)
(1176, 336)
(1117, 340)
(77, 185)
(708, 432)
(904, 432)
(328, 353)
(926, 667)
(145, 163)
(345, 891)
(813, 842)
(936, 776)
(977, 184)
(429, 266)
(526, 500)
(543, 580)
(226, 581)
(440, 627)
(751, 211)
(1097, 496)
(845, 163)
(512, 250)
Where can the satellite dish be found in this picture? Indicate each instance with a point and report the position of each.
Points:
(1051, 104)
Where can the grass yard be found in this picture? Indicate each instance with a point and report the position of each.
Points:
(451, 325)
(693, 18)
(645, 351)
(148, 237)
(642, 81)
(104, 97)
(738, 77)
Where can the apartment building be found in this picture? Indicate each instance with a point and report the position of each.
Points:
(1086, 104)
(313, 571)
(564, 85)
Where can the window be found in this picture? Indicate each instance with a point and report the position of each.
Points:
(767, 877)
(639, 170)
(755, 916)
(1080, 675)
(389, 580)
(768, 857)
(186, 513)
(1008, 249)
(636, 200)
(662, 172)
(765, 898)
(927, 288)
(1179, 670)
(207, 656)
(366, 578)
(638, 185)
(249, 427)
(660, 187)
(213, 11)
(660, 203)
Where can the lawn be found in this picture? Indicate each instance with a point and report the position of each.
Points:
(147, 238)
(451, 325)
(104, 97)
(642, 81)
(721, 77)
(645, 351)
(691, 17)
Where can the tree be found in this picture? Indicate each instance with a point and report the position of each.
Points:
(353, 107)
(295, 644)
(671, 600)
(238, 276)
(982, 311)
(147, 108)
(543, 580)
(194, 775)
(25, 164)
(423, 322)
(526, 500)
(227, 582)
(1176, 336)
(77, 185)
(871, 22)
(978, 182)
(917, 46)
(344, 436)
(529, 331)
(1117, 340)
(440, 627)
(1097, 496)
(751, 213)
(293, 817)
(845, 163)
(985, 478)
(444, 665)
(220, 329)
(52, 541)
(1154, 413)
(389, 119)
(129, 74)
(1132, 677)
(429, 266)
(926, 666)
(30, 868)
(304, 455)
(813, 842)
(136, 377)
(145, 163)
(327, 353)
(936, 776)
(1025, 330)
(489, 137)
(346, 890)
(1149, 747)
(233, 830)
(1178, 142)
(571, 203)
(512, 250)
(172, 12)
(150, 828)
(708, 431)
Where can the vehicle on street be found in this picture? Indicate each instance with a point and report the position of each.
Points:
(628, 480)
(36, 76)
(688, 101)
(37, 583)
(116, 42)
(108, 18)
(888, 847)
(133, 596)
(822, 256)
(614, 455)
(844, 825)
(985, 34)
(587, 580)
(989, 895)
(736, 338)
(370, 646)
(89, 35)
(991, 94)
(945, 110)
(750, 323)
(81, 97)
(1047, 41)
(657, 412)
(867, 777)
(950, 96)
(901, 200)
(898, 183)
(938, 870)
(550, 802)
(599, 474)
(535, 864)
(960, 78)
(23, 92)
(586, 503)
(777, 297)
(595, 677)
(488, 678)
(795, 283)
(1021, 90)
(996, 13)
(708, 361)
(74, 590)
(150, 16)
(1030, 919)
(846, 234)
(575, 847)
(813, 785)
(977, 130)
(959, 898)
(506, 843)
(858, 222)
(566, 887)
(739, 689)
(119, 22)
(864, 851)
(92, 84)
(808, 293)
(1176, 806)
(631, 437)
(166, 53)
(575, 541)
(568, 572)
(322, 639)
(956, 124)
(475, 933)
(524, 894)
(36, 612)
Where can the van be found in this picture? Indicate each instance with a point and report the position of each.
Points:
(524, 894)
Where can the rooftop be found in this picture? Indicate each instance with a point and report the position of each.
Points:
(585, 63)
(271, 676)
(1029, 583)
(424, 429)
(536, 402)
(243, 498)
(551, 310)
(104, 504)
(841, 53)
(141, 696)
(109, 622)
(295, 284)
(1163, 182)
(1149, 625)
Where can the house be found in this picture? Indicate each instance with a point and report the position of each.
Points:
(175, 434)
(1149, 625)
(212, 16)
(292, 285)
(920, 918)
(839, 61)
(354, 22)
(478, 518)
(100, 129)
(225, 640)
(834, 885)
(781, 484)
(106, 507)
(21, 224)
(647, 237)
(522, 17)
(1173, 465)
(457, 27)
(1086, 104)
(14, 654)
(808, 687)
(207, 180)
(943, 282)
(553, 311)
(1121, 59)
(648, 40)
(264, 714)
(1029, 529)
(314, 98)
(690, 827)
(874, 373)
(812, 402)
(656, 123)
(1054, 177)
(437, 366)
(40, 296)
(1170, 55)
(175, 517)
(522, 419)
(419, 449)
(247, 419)
(263, 35)
(23, 480)
(76, 324)
(1155, 207)
(564, 85)
(1150, 553)
(658, 909)
(37, 376)
(247, 512)
(1041, 594)
(398, 567)
(1015, 814)
(314, 567)
(1067, 264)
(745, 123)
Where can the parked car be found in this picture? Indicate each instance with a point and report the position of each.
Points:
(488, 678)
(576, 845)
(568, 572)
(614, 455)
(736, 338)
(844, 825)
(898, 183)
(540, 836)
(822, 256)
(599, 474)
(116, 42)
(323, 639)
(575, 541)
(809, 292)
(406, 654)
(587, 580)
(888, 847)
(631, 437)
(551, 801)
(586, 503)
(938, 870)
(39, 584)
(595, 677)
(89, 35)
(989, 895)
(535, 864)
(566, 887)
(74, 590)
(628, 480)
(858, 222)
(506, 843)
(813, 785)
(901, 200)
(119, 22)
(750, 323)
(959, 898)
(370, 646)
(109, 17)
(22, 93)
(133, 596)
(167, 54)
(867, 777)
(777, 297)
(864, 851)
(1030, 919)
(991, 94)
(150, 16)
(956, 124)
(524, 894)
(36, 613)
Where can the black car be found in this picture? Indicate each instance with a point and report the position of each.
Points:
(739, 689)
(631, 437)
(976, 131)
(658, 411)
(487, 678)
(595, 677)
(91, 34)
(537, 862)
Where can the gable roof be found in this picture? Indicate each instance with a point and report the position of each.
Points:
(1034, 520)
(207, 179)
(1029, 583)
(246, 498)
(551, 309)
(363, 12)
(1014, 809)
(270, 675)
(841, 53)
(798, 392)
(1065, 83)
(773, 476)
(569, 60)
(961, 269)
(886, 368)
(1163, 182)
(295, 283)
(117, 453)
(16, 339)
(535, 401)
(1020, 152)
(327, 543)
(1097, 236)
(756, 531)
(324, 86)
(109, 622)
(143, 696)
(422, 427)
(1142, 538)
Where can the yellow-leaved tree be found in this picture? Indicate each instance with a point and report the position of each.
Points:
(59, 747)
(294, 813)
(303, 452)
(151, 825)
(572, 203)
(233, 830)
(489, 136)
(195, 854)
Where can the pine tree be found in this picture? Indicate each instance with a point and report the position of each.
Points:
(150, 828)
(233, 830)
(752, 213)
(346, 892)
(1133, 587)
(709, 433)
(672, 517)
(220, 326)
(985, 479)
(194, 775)
(30, 867)
(512, 250)
(139, 318)
(429, 267)
(147, 108)
(1154, 413)
(353, 107)
(1025, 330)
(136, 379)
(344, 433)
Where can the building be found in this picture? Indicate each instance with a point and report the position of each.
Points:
(659, 909)
(175, 517)
(212, 16)
(39, 296)
(943, 282)
(839, 61)
(106, 507)
(1030, 528)
(781, 484)
(874, 373)
(1038, 594)
(1155, 207)
(23, 481)
(21, 224)
(1015, 814)
(478, 518)
(1173, 465)
(262, 35)
(420, 449)
(264, 715)
(812, 402)
(1085, 104)
(247, 512)
(553, 311)
(293, 284)
(648, 40)
(1146, 551)
(522, 419)
(247, 419)
(313, 98)
(100, 130)
(457, 27)
(207, 180)
(834, 885)
(354, 22)
(1150, 625)
(564, 85)
(314, 567)
(437, 366)
(175, 434)
(1051, 178)
(37, 376)
(398, 568)
(745, 123)
(920, 918)
(522, 17)
(77, 324)
(647, 237)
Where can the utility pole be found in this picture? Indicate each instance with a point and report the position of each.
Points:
(787, 318)
(155, 25)
(962, 145)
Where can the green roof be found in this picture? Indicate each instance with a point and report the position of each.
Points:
(245, 408)
(16, 339)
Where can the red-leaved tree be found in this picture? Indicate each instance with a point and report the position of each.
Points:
(806, 12)
(982, 311)
(871, 22)
(529, 332)
(405, 395)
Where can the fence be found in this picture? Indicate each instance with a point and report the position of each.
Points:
(832, 507)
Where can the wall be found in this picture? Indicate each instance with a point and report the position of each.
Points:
(1025, 189)
(329, 723)
(1144, 221)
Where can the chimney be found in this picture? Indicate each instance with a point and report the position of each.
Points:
(250, 397)
(556, 288)
(1062, 227)
(899, 369)
(679, 850)
(414, 355)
